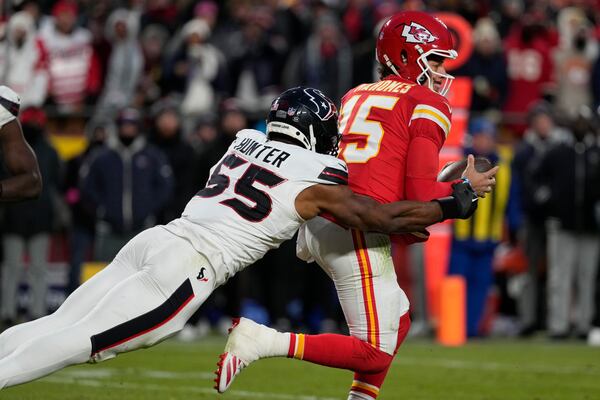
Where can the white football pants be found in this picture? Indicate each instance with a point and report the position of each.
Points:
(152, 287)
(360, 264)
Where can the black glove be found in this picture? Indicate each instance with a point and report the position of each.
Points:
(462, 204)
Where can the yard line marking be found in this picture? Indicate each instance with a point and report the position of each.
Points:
(492, 366)
(100, 373)
(180, 388)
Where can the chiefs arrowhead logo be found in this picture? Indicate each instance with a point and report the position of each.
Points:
(416, 33)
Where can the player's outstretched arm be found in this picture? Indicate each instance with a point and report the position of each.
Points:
(366, 214)
(25, 181)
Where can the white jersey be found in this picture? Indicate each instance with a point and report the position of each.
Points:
(248, 204)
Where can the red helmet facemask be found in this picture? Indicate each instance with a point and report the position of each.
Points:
(406, 41)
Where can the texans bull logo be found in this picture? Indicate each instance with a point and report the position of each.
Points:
(322, 106)
(416, 33)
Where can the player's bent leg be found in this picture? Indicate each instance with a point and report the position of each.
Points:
(362, 269)
(375, 307)
(73, 309)
(363, 272)
(249, 341)
(366, 386)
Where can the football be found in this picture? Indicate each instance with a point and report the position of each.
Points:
(453, 170)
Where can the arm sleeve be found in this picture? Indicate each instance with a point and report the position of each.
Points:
(422, 166)
(429, 126)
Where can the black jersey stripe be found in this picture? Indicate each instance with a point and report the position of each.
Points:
(10, 106)
(334, 175)
(146, 322)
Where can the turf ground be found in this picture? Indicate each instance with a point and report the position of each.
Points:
(503, 370)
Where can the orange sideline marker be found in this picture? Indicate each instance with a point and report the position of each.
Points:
(452, 318)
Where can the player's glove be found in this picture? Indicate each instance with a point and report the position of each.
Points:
(463, 202)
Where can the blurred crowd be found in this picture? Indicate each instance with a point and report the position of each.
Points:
(159, 88)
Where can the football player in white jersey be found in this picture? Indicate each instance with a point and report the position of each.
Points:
(25, 180)
(257, 196)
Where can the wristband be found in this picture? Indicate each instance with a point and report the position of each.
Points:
(449, 207)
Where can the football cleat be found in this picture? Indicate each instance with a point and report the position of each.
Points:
(228, 367)
(240, 351)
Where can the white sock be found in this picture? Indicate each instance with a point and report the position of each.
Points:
(251, 341)
(359, 396)
(276, 343)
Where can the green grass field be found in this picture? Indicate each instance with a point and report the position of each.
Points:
(487, 370)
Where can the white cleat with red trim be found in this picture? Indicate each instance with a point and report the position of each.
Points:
(229, 366)
(247, 342)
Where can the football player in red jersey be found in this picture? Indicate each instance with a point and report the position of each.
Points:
(258, 195)
(392, 132)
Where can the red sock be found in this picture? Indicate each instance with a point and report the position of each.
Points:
(369, 383)
(338, 351)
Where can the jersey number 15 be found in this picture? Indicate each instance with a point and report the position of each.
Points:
(360, 127)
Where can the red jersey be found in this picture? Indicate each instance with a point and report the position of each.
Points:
(392, 132)
(530, 67)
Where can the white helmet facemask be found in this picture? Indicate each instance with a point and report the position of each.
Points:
(428, 74)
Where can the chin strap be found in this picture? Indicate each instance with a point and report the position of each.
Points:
(313, 139)
(389, 64)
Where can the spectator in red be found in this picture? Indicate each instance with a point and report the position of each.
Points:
(528, 52)
(74, 70)
(162, 12)
(359, 19)
(24, 61)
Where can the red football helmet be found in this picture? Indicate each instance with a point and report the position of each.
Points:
(407, 39)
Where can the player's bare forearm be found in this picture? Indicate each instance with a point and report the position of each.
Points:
(364, 213)
(20, 160)
(406, 216)
(400, 217)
